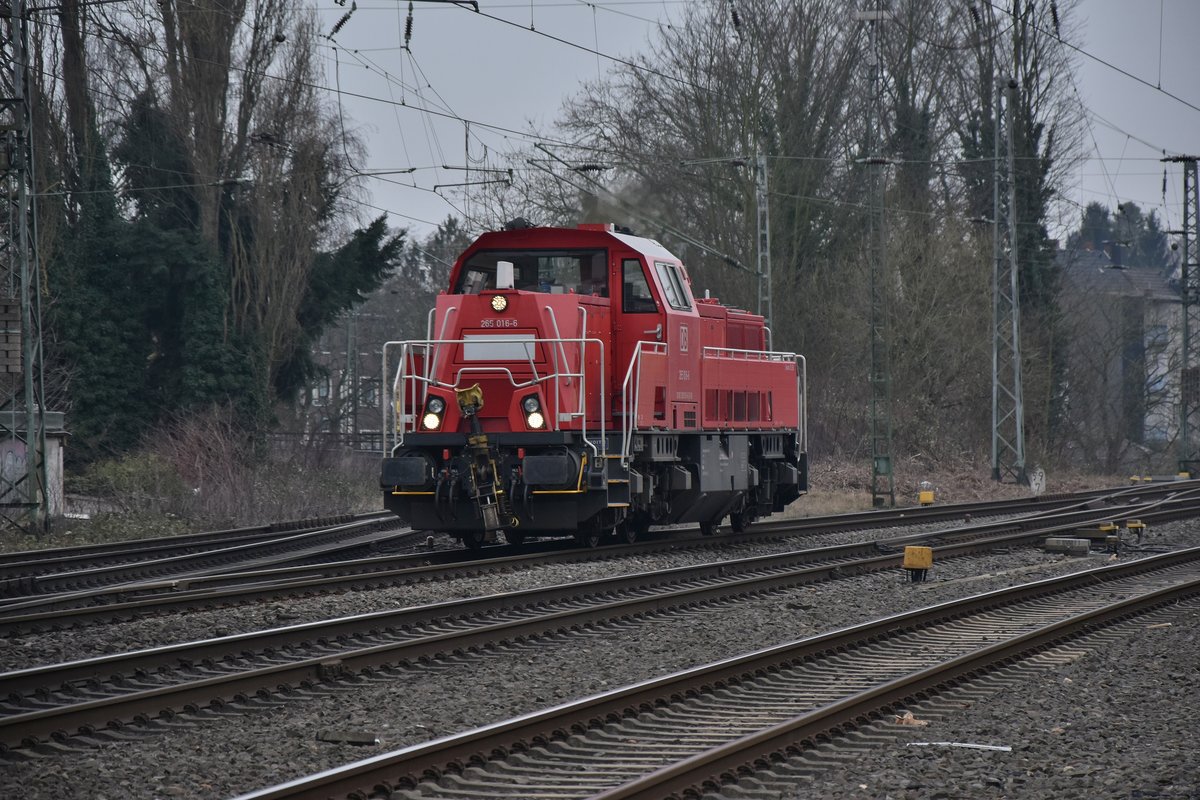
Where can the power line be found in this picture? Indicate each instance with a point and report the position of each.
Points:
(1104, 62)
(340, 93)
(214, 180)
(345, 93)
(586, 49)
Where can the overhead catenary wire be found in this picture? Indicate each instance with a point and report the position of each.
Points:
(639, 67)
(523, 135)
(963, 161)
(1108, 64)
(366, 171)
(728, 259)
(379, 173)
(448, 113)
(506, 132)
(1089, 116)
(215, 180)
(339, 93)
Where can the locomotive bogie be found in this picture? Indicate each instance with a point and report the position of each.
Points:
(702, 478)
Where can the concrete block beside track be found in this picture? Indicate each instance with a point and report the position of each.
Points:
(1069, 546)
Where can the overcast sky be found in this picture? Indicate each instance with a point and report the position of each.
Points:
(491, 69)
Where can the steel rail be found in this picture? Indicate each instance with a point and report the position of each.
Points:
(225, 588)
(17, 564)
(884, 517)
(271, 583)
(29, 562)
(678, 588)
(723, 764)
(277, 549)
(408, 766)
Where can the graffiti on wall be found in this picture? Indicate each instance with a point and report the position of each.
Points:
(12, 465)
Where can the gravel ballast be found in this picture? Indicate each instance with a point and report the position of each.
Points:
(1116, 723)
(222, 757)
(74, 644)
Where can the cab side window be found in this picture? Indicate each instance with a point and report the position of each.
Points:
(635, 294)
(672, 286)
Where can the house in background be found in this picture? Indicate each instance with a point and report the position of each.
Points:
(342, 406)
(1122, 324)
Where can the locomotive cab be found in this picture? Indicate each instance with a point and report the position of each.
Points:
(561, 390)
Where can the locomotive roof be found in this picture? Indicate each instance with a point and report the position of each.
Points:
(647, 247)
(569, 237)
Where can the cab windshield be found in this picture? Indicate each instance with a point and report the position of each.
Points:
(549, 271)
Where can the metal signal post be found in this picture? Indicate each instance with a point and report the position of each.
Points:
(764, 238)
(883, 482)
(1189, 383)
(1008, 411)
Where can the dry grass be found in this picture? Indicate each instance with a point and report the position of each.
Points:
(146, 490)
(204, 473)
(839, 486)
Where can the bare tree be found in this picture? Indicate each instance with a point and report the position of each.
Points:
(668, 144)
(280, 220)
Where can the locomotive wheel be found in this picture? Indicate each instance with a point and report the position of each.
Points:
(514, 537)
(629, 531)
(589, 537)
(472, 540)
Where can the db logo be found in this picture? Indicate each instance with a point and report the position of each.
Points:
(683, 338)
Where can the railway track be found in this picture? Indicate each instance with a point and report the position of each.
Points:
(318, 544)
(54, 702)
(238, 586)
(30, 563)
(692, 732)
(26, 563)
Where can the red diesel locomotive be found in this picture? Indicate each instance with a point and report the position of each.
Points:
(572, 385)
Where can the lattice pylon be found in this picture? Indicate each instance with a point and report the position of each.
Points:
(883, 480)
(1008, 410)
(1189, 383)
(23, 494)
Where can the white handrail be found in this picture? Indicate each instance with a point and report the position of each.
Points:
(802, 398)
(407, 380)
(631, 387)
(432, 362)
(633, 375)
(556, 351)
(748, 355)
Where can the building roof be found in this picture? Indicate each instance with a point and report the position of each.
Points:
(1093, 272)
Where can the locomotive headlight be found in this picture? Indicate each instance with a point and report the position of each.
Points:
(499, 303)
(533, 411)
(431, 422)
(436, 405)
